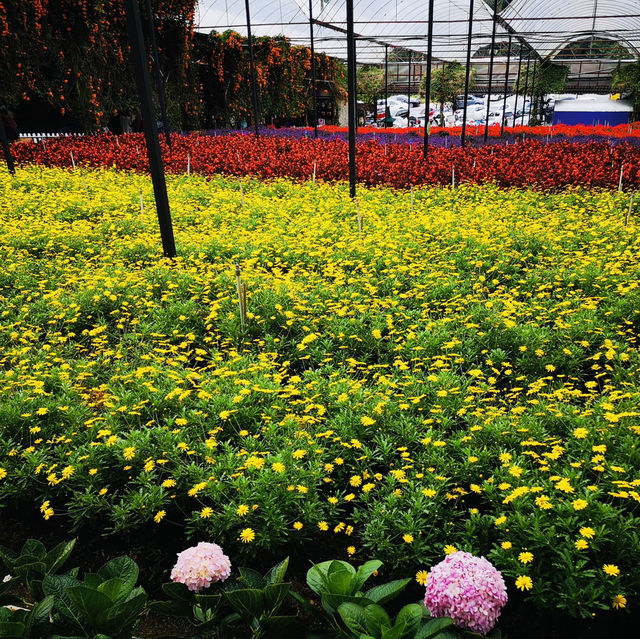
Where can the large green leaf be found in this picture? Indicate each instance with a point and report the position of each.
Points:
(122, 567)
(177, 591)
(7, 556)
(385, 592)
(277, 573)
(364, 572)
(376, 619)
(91, 603)
(57, 556)
(333, 601)
(57, 586)
(252, 578)
(121, 617)
(353, 617)
(275, 594)
(409, 618)
(35, 548)
(317, 575)
(433, 627)
(115, 589)
(339, 583)
(40, 614)
(249, 602)
(26, 564)
(396, 632)
(340, 566)
(11, 629)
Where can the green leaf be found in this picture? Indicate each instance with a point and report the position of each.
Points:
(340, 566)
(339, 583)
(364, 572)
(394, 633)
(275, 594)
(178, 591)
(41, 612)
(208, 601)
(445, 634)
(409, 618)
(8, 557)
(249, 602)
(114, 589)
(277, 573)
(11, 629)
(385, 592)
(122, 616)
(70, 616)
(89, 602)
(57, 586)
(92, 580)
(376, 619)
(330, 601)
(58, 555)
(35, 548)
(122, 567)
(252, 578)
(433, 627)
(317, 575)
(353, 617)
(26, 564)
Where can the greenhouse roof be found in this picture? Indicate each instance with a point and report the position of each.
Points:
(545, 26)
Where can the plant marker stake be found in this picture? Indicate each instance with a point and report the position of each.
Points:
(73, 162)
(117, 142)
(314, 171)
(359, 217)
(453, 176)
(627, 218)
(188, 163)
(137, 149)
(242, 297)
(242, 194)
(620, 180)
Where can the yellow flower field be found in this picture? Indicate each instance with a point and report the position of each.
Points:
(461, 372)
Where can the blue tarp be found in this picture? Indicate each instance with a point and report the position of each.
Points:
(610, 118)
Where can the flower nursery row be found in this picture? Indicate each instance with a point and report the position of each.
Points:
(451, 369)
(528, 163)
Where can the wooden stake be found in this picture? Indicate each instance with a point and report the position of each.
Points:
(620, 180)
(315, 164)
(117, 142)
(242, 297)
(73, 161)
(453, 176)
(627, 218)
(188, 163)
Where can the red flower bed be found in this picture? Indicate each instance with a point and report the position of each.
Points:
(570, 131)
(530, 163)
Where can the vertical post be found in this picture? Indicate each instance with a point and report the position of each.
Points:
(6, 148)
(428, 80)
(515, 106)
(409, 90)
(158, 73)
(533, 87)
(386, 83)
(526, 86)
(352, 104)
(463, 136)
(313, 72)
(252, 65)
(506, 86)
(491, 59)
(134, 29)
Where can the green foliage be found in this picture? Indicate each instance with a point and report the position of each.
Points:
(625, 79)
(447, 82)
(370, 84)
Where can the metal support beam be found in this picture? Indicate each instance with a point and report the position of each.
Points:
(515, 106)
(386, 84)
(491, 59)
(526, 87)
(139, 61)
(158, 74)
(533, 84)
(353, 99)
(506, 86)
(313, 72)
(463, 136)
(252, 65)
(409, 90)
(428, 80)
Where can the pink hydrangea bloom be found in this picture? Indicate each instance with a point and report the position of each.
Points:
(200, 566)
(468, 589)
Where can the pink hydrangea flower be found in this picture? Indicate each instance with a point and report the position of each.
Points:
(468, 589)
(200, 566)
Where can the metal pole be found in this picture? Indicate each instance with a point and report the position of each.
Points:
(313, 73)
(506, 86)
(515, 106)
(134, 29)
(493, 45)
(409, 91)
(352, 104)
(386, 83)
(533, 84)
(252, 65)
(6, 148)
(463, 137)
(427, 98)
(160, 85)
(526, 86)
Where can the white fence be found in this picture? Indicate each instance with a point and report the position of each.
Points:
(36, 137)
